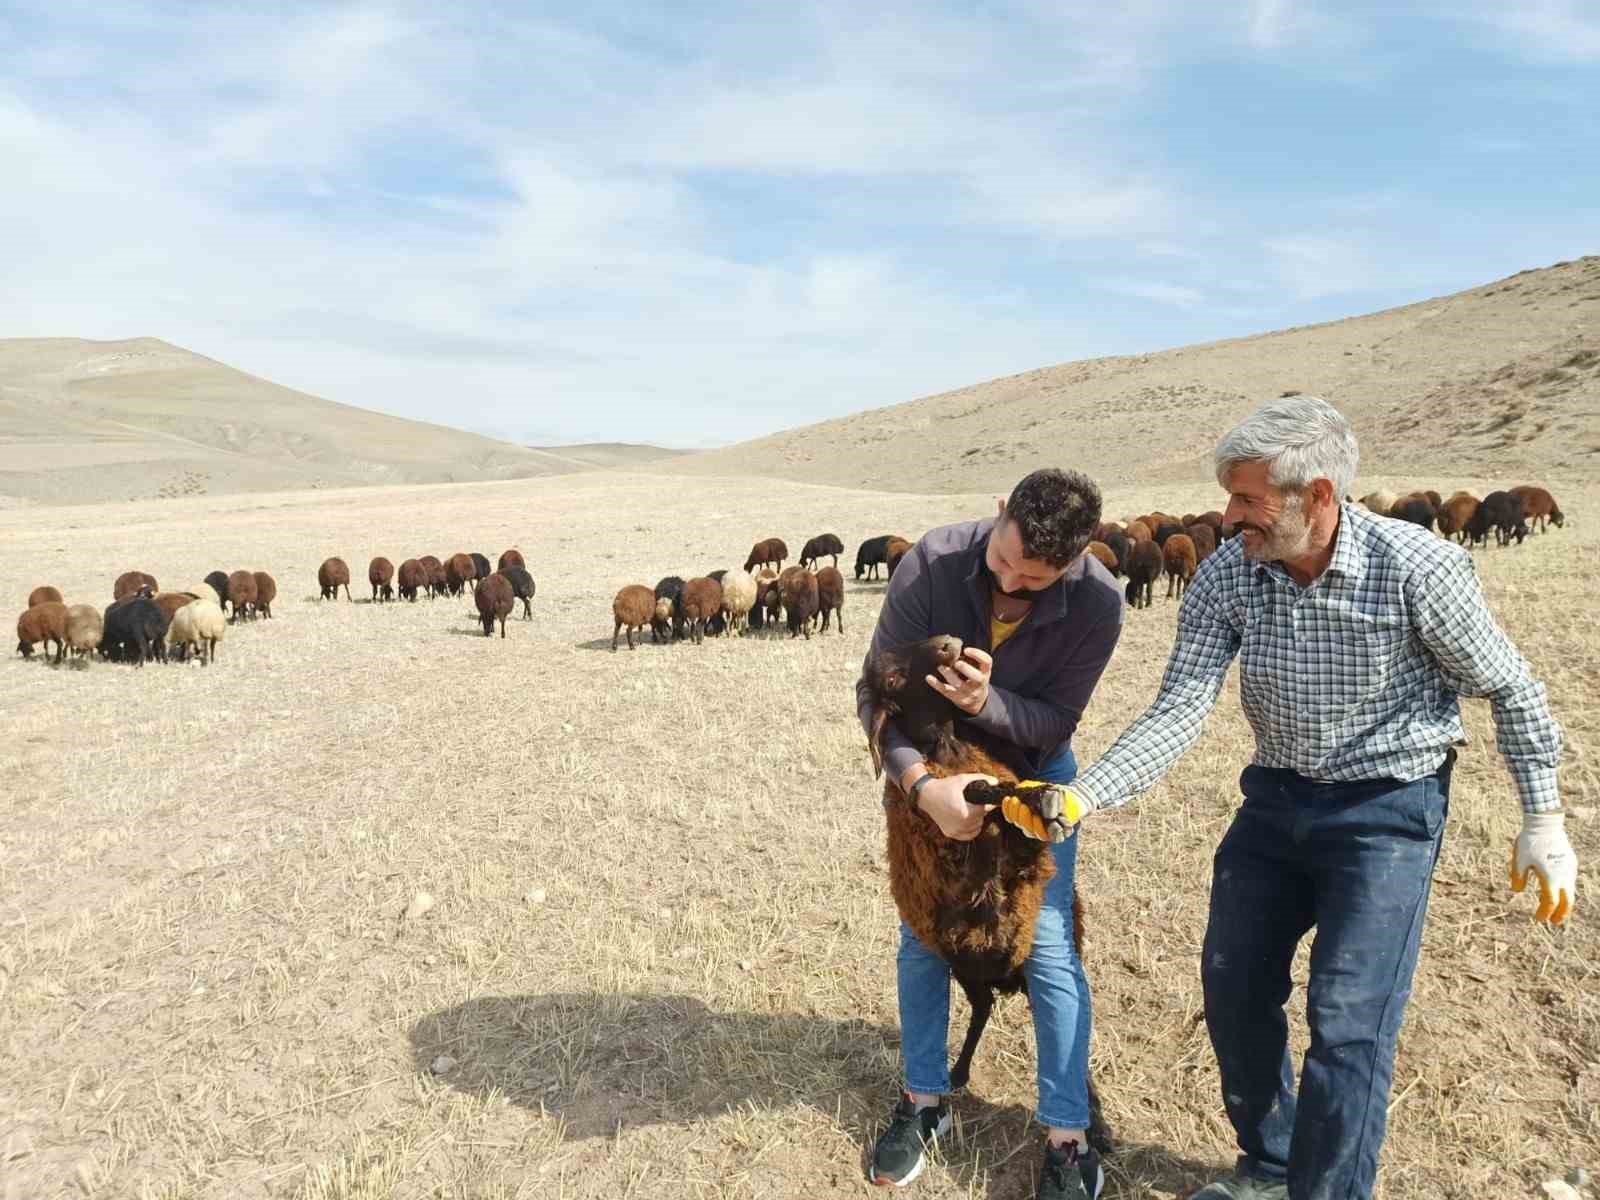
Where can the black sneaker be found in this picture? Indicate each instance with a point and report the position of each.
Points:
(901, 1151)
(1070, 1173)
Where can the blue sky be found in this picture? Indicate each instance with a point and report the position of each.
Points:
(702, 222)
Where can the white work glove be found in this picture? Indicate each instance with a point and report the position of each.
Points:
(1542, 849)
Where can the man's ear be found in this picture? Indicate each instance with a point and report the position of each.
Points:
(1322, 492)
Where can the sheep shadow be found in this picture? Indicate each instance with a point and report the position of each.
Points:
(605, 1062)
(604, 643)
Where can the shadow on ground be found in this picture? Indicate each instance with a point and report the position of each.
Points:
(604, 1063)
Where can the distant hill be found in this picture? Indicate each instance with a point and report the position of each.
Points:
(1497, 381)
(84, 421)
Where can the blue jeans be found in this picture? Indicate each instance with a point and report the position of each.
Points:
(1355, 861)
(1058, 992)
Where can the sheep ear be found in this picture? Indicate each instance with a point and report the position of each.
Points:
(880, 718)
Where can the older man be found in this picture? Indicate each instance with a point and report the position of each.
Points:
(1356, 635)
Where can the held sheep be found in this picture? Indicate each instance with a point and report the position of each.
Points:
(1179, 558)
(412, 579)
(830, 596)
(701, 600)
(823, 543)
(1144, 568)
(522, 587)
(738, 598)
(333, 574)
(769, 550)
(495, 600)
(798, 588)
(266, 593)
(85, 628)
(45, 622)
(1539, 507)
(242, 594)
(973, 903)
(43, 594)
(380, 575)
(631, 609)
(197, 628)
(872, 554)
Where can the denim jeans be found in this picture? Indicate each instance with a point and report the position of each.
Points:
(1058, 992)
(1355, 861)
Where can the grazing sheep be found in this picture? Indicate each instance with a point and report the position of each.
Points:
(1144, 567)
(494, 599)
(43, 594)
(1104, 530)
(738, 598)
(894, 552)
(1105, 554)
(511, 558)
(266, 593)
(872, 554)
(632, 609)
(666, 617)
(1380, 502)
(412, 579)
(1539, 507)
(438, 577)
(197, 628)
(459, 572)
(521, 586)
(798, 588)
(1138, 531)
(171, 602)
(380, 574)
(1502, 512)
(480, 567)
(1455, 514)
(242, 594)
(130, 583)
(973, 903)
(1119, 544)
(135, 630)
(770, 550)
(1204, 538)
(45, 622)
(218, 583)
(1179, 558)
(1166, 530)
(331, 576)
(85, 628)
(701, 600)
(830, 596)
(1415, 509)
(823, 543)
(1213, 519)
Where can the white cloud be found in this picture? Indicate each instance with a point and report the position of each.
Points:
(1547, 30)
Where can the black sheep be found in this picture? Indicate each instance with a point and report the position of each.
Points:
(1414, 509)
(823, 543)
(666, 623)
(872, 554)
(1144, 568)
(1165, 530)
(481, 565)
(135, 629)
(219, 584)
(1119, 545)
(521, 587)
(1502, 512)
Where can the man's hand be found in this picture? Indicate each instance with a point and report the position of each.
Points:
(942, 801)
(966, 682)
(1542, 850)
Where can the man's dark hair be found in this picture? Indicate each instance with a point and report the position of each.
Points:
(1056, 513)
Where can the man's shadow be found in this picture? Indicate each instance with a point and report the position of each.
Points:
(600, 1063)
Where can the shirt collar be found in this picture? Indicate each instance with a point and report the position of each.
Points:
(1347, 563)
(1052, 606)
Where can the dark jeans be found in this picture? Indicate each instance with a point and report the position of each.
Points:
(1355, 861)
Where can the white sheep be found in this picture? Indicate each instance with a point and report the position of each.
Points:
(85, 628)
(1380, 502)
(198, 623)
(738, 598)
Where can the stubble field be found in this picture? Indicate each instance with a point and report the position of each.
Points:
(659, 960)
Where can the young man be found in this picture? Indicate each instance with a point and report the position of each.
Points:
(1355, 635)
(1039, 619)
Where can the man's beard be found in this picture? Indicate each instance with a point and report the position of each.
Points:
(1288, 537)
(1027, 594)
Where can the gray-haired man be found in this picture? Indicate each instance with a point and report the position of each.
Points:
(1355, 635)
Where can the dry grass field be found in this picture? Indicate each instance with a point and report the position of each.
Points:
(659, 961)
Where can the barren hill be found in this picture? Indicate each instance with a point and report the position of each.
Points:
(82, 421)
(1500, 379)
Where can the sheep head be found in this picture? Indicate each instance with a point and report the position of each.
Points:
(897, 680)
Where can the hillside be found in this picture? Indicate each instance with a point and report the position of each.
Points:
(601, 455)
(1500, 379)
(84, 421)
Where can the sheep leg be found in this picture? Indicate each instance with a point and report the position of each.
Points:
(981, 997)
(838, 619)
(614, 634)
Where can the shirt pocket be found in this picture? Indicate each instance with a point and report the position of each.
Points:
(1360, 655)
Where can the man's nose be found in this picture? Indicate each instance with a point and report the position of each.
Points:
(1232, 513)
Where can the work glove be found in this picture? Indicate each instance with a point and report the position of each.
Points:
(1047, 812)
(1542, 849)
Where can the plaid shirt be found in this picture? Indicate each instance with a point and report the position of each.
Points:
(1356, 677)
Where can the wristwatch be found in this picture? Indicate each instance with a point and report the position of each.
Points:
(911, 792)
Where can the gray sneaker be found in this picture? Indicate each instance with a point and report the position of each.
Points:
(901, 1150)
(1243, 1186)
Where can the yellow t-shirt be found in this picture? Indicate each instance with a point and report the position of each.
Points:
(1000, 630)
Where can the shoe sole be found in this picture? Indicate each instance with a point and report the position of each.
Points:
(939, 1131)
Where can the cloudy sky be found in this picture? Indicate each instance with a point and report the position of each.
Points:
(699, 222)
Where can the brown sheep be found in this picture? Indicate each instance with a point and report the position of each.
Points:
(171, 602)
(46, 623)
(702, 600)
(511, 558)
(380, 574)
(331, 576)
(413, 578)
(800, 600)
(770, 601)
(769, 550)
(85, 628)
(893, 551)
(438, 582)
(632, 609)
(41, 594)
(1204, 538)
(495, 600)
(1138, 531)
(1539, 507)
(1213, 519)
(1104, 553)
(830, 596)
(1179, 558)
(1456, 513)
(975, 903)
(242, 594)
(130, 583)
(459, 572)
(1104, 530)
(266, 593)
(1143, 568)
